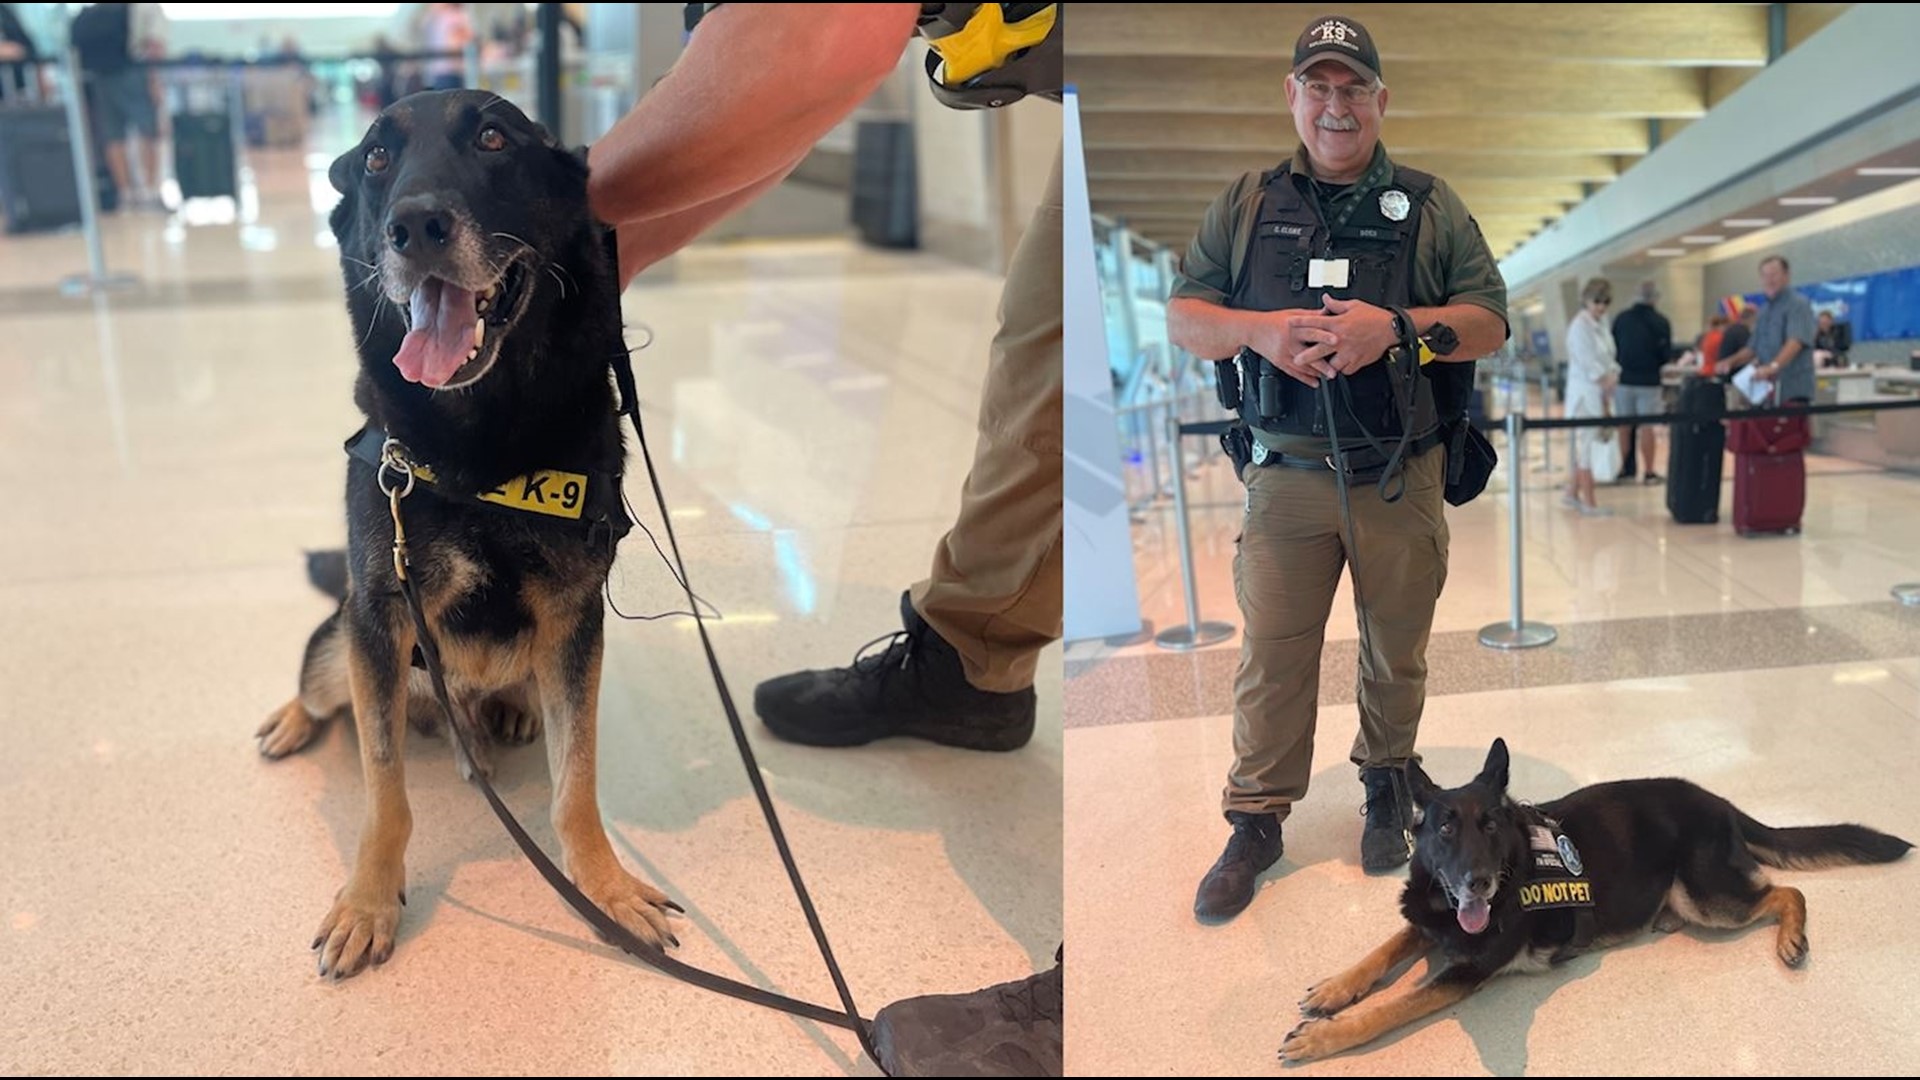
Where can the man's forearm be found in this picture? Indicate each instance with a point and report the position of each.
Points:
(1480, 331)
(757, 86)
(1209, 331)
(1786, 354)
(647, 243)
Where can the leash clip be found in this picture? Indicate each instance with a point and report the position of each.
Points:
(394, 457)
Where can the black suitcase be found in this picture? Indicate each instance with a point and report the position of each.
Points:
(1695, 458)
(37, 189)
(203, 158)
(886, 206)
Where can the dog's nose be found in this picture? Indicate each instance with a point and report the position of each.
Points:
(419, 225)
(1480, 886)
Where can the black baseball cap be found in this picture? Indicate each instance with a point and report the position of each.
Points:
(1339, 38)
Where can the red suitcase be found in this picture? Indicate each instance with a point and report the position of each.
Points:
(1769, 473)
(1769, 492)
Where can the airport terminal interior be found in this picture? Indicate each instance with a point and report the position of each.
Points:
(810, 385)
(1621, 142)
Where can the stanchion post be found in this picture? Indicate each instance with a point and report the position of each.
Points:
(80, 138)
(1153, 451)
(1195, 634)
(1516, 633)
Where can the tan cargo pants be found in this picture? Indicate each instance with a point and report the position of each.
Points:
(994, 592)
(1291, 555)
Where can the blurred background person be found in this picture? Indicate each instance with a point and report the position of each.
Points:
(1592, 373)
(113, 40)
(445, 28)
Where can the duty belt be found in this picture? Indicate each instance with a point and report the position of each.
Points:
(1364, 465)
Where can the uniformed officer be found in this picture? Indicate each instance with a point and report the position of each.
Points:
(1313, 271)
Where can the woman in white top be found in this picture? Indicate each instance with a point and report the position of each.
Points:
(1592, 372)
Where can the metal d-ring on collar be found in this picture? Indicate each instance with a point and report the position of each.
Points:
(395, 459)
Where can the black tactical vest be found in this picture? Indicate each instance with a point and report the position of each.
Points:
(1378, 240)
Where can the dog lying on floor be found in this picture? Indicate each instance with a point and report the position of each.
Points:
(486, 311)
(1497, 886)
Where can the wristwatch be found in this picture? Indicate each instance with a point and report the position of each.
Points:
(1439, 340)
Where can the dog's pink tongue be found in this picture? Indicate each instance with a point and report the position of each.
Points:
(1473, 915)
(442, 333)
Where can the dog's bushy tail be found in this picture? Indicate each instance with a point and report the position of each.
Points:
(328, 572)
(1817, 846)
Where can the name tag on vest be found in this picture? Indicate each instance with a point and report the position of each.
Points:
(1327, 274)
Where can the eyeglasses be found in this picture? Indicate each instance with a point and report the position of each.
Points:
(1351, 93)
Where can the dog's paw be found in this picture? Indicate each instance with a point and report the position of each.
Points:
(1668, 921)
(1329, 997)
(1792, 949)
(359, 930)
(632, 903)
(287, 730)
(510, 723)
(1311, 1039)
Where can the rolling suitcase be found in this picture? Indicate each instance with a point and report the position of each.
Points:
(1694, 461)
(1769, 492)
(203, 158)
(37, 189)
(1769, 473)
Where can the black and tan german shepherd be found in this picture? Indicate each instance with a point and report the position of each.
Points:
(1498, 886)
(486, 312)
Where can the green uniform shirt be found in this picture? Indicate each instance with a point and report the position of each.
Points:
(1451, 262)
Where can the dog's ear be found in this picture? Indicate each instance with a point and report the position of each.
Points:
(340, 174)
(573, 162)
(1420, 786)
(1494, 772)
(545, 136)
(341, 220)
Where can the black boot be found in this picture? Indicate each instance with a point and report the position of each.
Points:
(1013, 1029)
(1228, 887)
(915, 686)
(1387, 841)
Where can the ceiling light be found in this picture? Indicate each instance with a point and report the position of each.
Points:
(1747, 222)
(1808, 200)
(1666, 252)
(1701, 239)
(1889, 170)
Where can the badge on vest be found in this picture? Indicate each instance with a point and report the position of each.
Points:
(1327, 274)
(1395, 205)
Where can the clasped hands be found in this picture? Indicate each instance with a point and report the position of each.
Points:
(1339, 339)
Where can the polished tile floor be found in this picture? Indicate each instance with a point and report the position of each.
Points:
(1777, 672)
(174, 450)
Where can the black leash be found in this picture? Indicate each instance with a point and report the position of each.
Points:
(1395, 466)
(395, 461)
(852, 1020)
